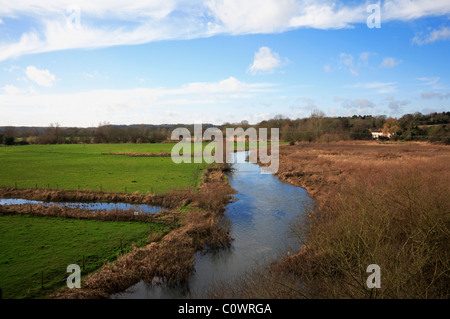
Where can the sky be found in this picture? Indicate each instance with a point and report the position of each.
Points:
(82, 63)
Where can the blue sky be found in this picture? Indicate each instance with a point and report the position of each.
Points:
(81, 63)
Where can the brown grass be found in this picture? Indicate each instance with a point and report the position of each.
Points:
(319, 167)
(133, 154)
(39, 210)
(384, 204)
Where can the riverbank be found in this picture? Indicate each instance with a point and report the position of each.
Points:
(170, 259)
(377, 203)
(193, 216)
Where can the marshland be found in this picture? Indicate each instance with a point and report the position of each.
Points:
(142, 227)
(108, 108)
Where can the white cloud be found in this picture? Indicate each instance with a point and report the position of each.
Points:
(328, 15)
(109, 23)
(41, 77)
(428, 80)
(358, 103)
(377, 87)
(432, 95)
(364, 58)
(11, 89)
(352, 64)
(265, 61)
(129, 106)
(11, 69)
(346, 60)
(389, 62)
(359, 106)
(395, 105)
(433, 36)
(91, 75)
(309, 104)
(405, 10)
(100, 8)
(262, 16)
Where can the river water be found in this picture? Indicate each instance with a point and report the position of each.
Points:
(260, 226)
(99, 206)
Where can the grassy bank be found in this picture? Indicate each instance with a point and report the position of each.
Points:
(384, 204)
(35, 246)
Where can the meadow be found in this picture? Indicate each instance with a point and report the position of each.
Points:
(84, 167)
(33, 244)
(37, 246)
(37, 250)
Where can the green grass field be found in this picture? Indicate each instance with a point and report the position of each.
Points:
(31, 245)
(73, 166)
(70, 166)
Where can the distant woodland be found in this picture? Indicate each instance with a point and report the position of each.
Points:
(433, 127)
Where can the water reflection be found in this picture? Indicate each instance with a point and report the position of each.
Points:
(90, 206)
(259, 217)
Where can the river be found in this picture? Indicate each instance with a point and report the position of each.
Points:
(260, 226)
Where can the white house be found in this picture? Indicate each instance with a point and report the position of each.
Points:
(378, 133)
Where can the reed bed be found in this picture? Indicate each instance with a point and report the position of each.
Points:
(129, 215)
(384, 204)
(170, 199)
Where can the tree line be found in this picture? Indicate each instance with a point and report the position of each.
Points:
(433, 127)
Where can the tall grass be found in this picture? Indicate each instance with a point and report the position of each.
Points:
(385, 211)
(398, 220)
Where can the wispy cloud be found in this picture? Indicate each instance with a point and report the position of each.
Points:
(405, 10)
(352, 63)
(358, 103)
(357, 106)
(428, 80)
(396, 105)
(346, 60)
(109, 23)
(435, 95)
(433, 36)
(377, 87)
(389, 62)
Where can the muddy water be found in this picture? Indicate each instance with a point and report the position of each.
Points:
(260, 218)
(90, 206)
